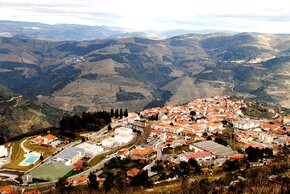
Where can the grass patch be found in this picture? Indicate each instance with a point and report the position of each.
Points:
(95, 160)
(228, 130)
(155, 178)
(167, 151)
(181, 148)
(115, 171)
(17, 157)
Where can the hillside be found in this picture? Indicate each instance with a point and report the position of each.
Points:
(137, 72)
(20, 115)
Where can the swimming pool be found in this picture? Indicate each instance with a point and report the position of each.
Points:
(30, 158)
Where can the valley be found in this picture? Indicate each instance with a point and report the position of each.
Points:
(141, 73)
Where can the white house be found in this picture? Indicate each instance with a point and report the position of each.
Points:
(246, 124)
(265, 138)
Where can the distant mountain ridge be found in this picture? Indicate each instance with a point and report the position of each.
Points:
(139, 72)
(62, 32)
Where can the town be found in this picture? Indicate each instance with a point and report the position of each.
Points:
(157, 145)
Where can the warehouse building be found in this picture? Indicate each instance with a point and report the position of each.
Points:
(70, 155)
(218, 150)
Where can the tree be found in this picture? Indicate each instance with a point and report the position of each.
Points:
(120, 180)
(141, 179)
(194, 165)
(208, 138)
(192, 113)
(222, 141)
(231, 165)
(126, 113)
(109, 128)
(93, 183)
(112, 113)
(72, 123)
(121, 113)
(157, 168)
(163, 176)
(61, 185)
(117, 113)
(183, 170)
(268, 152)
(109, 182)
(254, 154)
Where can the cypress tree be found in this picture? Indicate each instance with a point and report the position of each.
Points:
(121, 113)
(126, 113)
(116, 113)
(112, 113)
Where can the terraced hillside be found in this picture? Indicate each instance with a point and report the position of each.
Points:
(19, 115)
(136, 72)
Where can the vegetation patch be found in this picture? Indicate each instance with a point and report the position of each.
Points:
(122, 96)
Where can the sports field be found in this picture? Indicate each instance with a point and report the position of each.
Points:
(52, 171)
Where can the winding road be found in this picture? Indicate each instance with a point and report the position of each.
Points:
(11, 99)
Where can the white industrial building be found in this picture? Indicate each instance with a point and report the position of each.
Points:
(90, 149)
(70, 155)
(122, 136)
(3, 151)
(123, 131)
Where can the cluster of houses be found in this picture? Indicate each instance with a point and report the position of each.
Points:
(191, 124)
(43, 140)
(188, 128)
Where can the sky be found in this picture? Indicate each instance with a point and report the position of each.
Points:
(268, 16)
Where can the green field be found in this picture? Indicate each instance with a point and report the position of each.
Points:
(52, 171)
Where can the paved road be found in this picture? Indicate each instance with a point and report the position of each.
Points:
(11, 99)
(158, 147)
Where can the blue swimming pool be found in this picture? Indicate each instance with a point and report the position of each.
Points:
(31, 158)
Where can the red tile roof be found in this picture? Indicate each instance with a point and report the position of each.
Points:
(7, 189)
(197, 155)
(237, 156)
(133, 172)
(50, 137)
(32, 192)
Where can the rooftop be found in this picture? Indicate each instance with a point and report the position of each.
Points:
(215, 148)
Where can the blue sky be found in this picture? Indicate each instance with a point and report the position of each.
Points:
(269, 16)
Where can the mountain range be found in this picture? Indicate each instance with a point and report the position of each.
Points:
(62, 32)
(136, 73)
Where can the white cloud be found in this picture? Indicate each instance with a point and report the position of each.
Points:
(237, 15)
